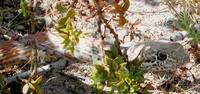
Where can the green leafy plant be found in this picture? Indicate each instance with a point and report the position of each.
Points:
(185, 19)
(3, 89)
(185, 22)
(25, 8)
(114, 71)
(66, 30)
(32, 86)
(121, 76)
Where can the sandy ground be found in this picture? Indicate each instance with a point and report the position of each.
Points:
(155, 22)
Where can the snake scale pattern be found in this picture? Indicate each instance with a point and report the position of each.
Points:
(157, 55)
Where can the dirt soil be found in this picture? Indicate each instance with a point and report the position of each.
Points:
(75, 79)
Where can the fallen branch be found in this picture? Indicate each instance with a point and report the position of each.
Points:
(41, 70)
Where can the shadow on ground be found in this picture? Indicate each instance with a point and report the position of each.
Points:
(58, 81)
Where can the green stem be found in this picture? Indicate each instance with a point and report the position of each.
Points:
(170, 6)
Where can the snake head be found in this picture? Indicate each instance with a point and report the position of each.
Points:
(158, 55)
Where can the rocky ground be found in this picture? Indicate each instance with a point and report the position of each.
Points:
(156, 22)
